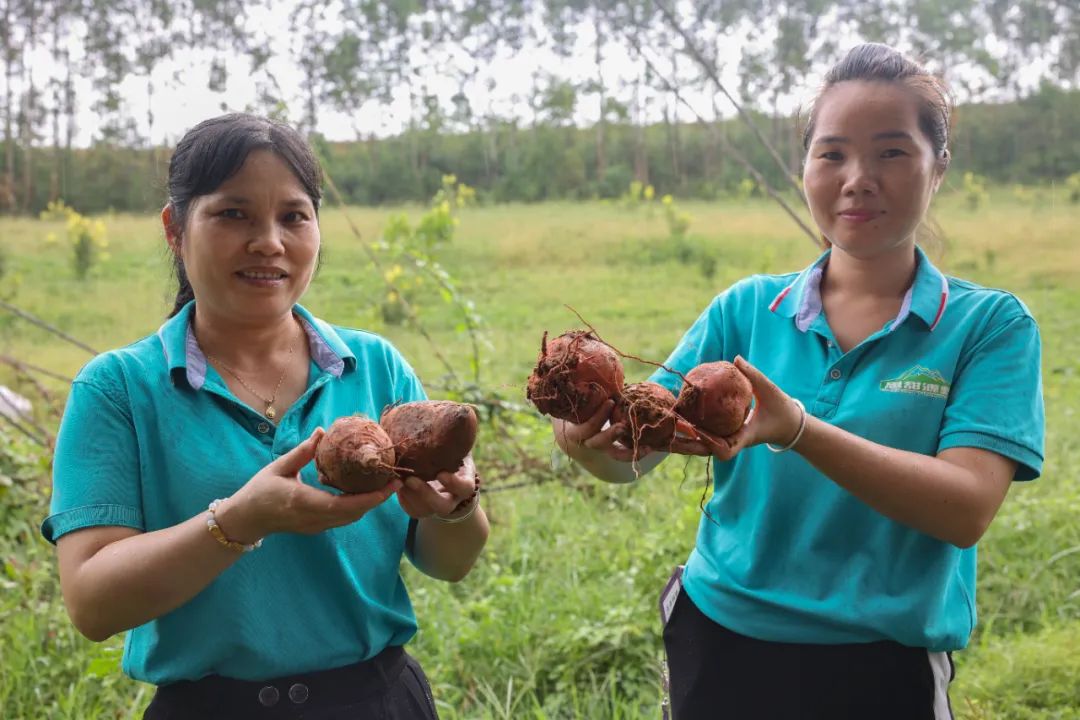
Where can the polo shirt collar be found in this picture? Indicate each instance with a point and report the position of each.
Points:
(183, 354)
(801, 299)
(926, 298)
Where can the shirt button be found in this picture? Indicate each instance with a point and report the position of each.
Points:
(298, 693)
(268, 696)
(828, 343)
(834, 374)
(264, 428)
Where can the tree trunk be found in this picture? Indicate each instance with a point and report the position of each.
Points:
(477, 126)
(8, 199)
(155, 158)
(69, 132)
(717, 139)
(678, 167)
(487, 147)
(795, 156)
(54, 172)
(708, 157)
(777, 131)
(641, 154)
(29, 116)
(311, 119)
(669, 135)
(492, 152)
(601, 151)
(414, 142)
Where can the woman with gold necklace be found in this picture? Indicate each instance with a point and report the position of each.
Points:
(186, 509)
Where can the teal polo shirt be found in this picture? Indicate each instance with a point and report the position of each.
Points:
(794, 557)
(151, 434)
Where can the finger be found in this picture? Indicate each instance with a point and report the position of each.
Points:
(307, 500)
(757, 378)
(353, 505)
(741, 438)
(689, 446)
(468, 466)
(720, 446)
(433, 489)
(710, 441)
(604, 438)
(460, 484)
(573, 435)
(293, 461)
(423, 493)
(596, 423)
(467, 469)
(617, 451)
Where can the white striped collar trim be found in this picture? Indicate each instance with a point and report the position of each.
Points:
(810, 306)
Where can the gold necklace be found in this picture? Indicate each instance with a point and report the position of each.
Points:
(270, 411)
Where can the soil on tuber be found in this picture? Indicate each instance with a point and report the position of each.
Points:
(574, 374)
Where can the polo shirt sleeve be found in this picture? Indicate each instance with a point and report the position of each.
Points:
(407, 387)
(96, 478)
(702, 343)
(996, 400)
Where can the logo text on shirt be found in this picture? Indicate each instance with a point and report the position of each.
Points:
(919, 381)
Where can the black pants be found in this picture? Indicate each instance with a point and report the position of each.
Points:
(390, 686)
(717, 674)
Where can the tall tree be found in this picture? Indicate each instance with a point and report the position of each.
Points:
(10, 47)
(29, 112)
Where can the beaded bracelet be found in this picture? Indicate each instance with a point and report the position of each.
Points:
(798, 435)
(219, 534)
(474, 499)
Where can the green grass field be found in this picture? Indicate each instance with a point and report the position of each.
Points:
(558, 620)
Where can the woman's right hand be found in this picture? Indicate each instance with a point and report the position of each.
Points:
(592, 437)
(276, 500)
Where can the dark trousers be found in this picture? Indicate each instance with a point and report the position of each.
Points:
(717, 674)
(390, 686)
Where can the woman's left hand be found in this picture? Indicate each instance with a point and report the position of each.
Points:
(421, 499)
(774, 419)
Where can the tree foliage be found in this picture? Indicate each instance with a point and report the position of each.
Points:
(569, 134)
(1028, 142)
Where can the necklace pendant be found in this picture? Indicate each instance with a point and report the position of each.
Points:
(270, 412)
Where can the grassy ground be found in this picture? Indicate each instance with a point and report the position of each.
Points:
(558, 620)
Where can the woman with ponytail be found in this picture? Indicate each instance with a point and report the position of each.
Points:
(186, 509)
(834, 568)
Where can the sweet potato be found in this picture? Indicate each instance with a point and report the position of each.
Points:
(715, 398)
(647, 410)
(430, 436)
(574, 374)
(355, 455)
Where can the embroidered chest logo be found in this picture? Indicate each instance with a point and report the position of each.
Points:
(919, 381)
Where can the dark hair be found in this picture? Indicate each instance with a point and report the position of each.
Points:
(212, 152)
(874, 62)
